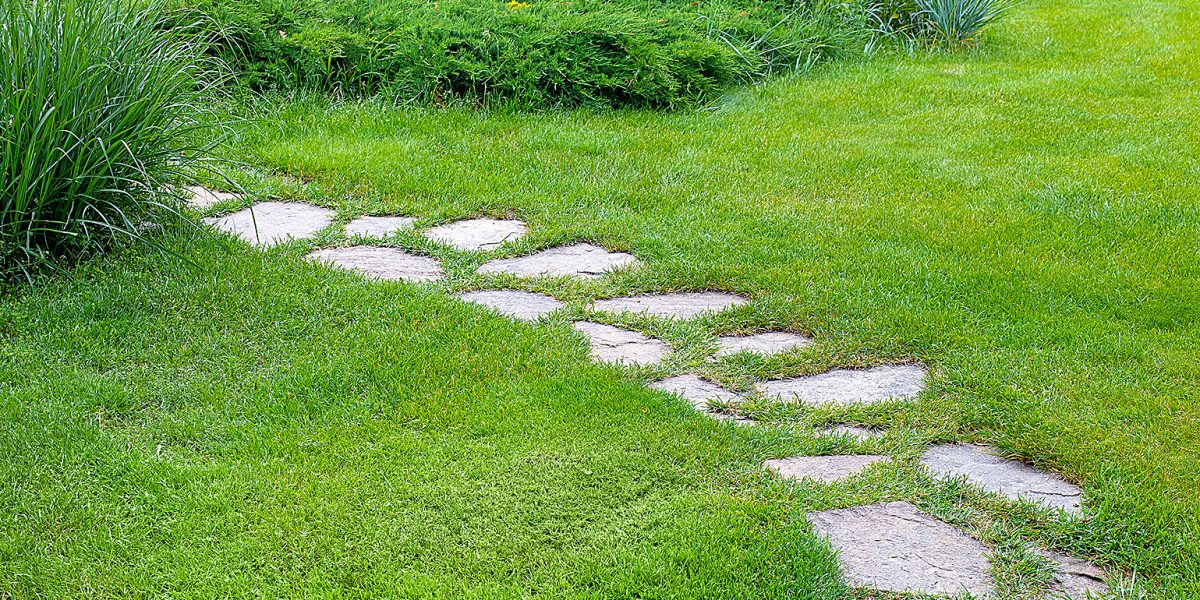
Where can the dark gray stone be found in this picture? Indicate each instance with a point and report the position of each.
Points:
(767, 344)
(381, 263)
(581, 260)
(699, 393)
(526, 306)
(825, 469)
(983, 467)
(1074, 578)
(683, 305)
(841, 387)
(477, 234)
(614, 345)
(269, 223)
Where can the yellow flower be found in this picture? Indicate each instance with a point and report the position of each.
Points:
(518, 5)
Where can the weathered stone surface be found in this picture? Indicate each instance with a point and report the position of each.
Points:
(381, 263)
(826, 469)
(771, 342)
(897, 548)
(526, 306)
(615, 345)
(581, 260)
(854, 432)
(202, 197)
(269, 223)
(699, 393)
(849, 386)
(477, 234)
(683, 305)
(378, 227)
(983, 467)
(1074, 578)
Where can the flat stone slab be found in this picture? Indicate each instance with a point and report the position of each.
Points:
(699, 392)
(477, 234)
(269, 223)
(841, 387)
(897, 548)
(982, 466)
(202, 197)
(378, 227)
(855, 432)
(826, 469)
(381, 263)
(580, 260)
(684, 305)
(767, 344)
(526, 306)
(615, 345)
(1074, 578)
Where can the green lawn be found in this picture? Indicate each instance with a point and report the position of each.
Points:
(1022, 219)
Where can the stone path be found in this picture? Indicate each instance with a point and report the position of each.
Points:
(526, 306)
(673, 306)
(381, 263)
(581, 260)
(825, 469)
(981, 466)
(1074, 578)
(849, 386)
(201, 198)
(699, 393)
(378, 227)
(477, 234)
(615, 345)
(766, 344)
(269, 223)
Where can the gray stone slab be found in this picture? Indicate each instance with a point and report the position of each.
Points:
(615, 345)
(269, 223)
(378, 226)
(526, 306)
(897, 548)
(841, 387)
(477, 234)
(699, 392)
(202, 197)
(826, 469)
(683, 305)
(855, 432)
(1074, 578)
(580, 260)
(381, 263)
(767, 344)
(982, 466)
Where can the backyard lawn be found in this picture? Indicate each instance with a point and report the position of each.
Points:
(1023, 220)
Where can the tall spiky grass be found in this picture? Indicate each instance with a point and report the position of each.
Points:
(958, 23)
(99, 111)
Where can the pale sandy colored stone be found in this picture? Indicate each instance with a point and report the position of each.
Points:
(202, 197)
(1074, 578)
(683, 305)
(614, 345)
(982, 466)
(766, 344)
(378, 226)
(855, 432)
(526, 306)
(825, 469)
(269, 223)
(581, 260)
(381, 263)
(477, 234)
(699, 393)
(841, 387)
(897, 548)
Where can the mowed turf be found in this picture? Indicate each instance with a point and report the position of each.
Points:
(1023, 220)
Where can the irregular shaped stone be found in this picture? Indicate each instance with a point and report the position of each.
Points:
(895, 547)
(826, 469)
(841, 387)
(581, 260)
(1074, 578)
(202, 197)
(860, 434)
(378, 227)
(268, 223)
(615, 345)
(1015, 480)
(767, 344)
(526, 306)
(699, 392)
(684, 305)
(381, 263)
(477, 234)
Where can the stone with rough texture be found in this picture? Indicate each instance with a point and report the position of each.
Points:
(841, 387)
(202, 197)
(615, 345)
(270, 223)
(581, 260)
(897, 548)
(378, 227)
(983, 467)
(526, 306)
(699, 392)
(854, 432)
(381, 263)
(771, 342)
(683, 305)
(826, 469)
(1074, 578)
(477, 234)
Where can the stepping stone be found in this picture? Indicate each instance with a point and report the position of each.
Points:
(841, 387)
(672, 306)
(202, 197)
(614, 345)
(381, 263)
(1012, 479)
(767, 344)
(526, 306)
(895, 547)
(826, 469)
(855, 432)
(699, 393)
(1074, 578)
(268, 223)
(581, 260)
(378, 227)
(477, 234)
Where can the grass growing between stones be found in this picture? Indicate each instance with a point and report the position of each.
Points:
(1021, 221)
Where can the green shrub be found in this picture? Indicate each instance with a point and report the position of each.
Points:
(97, 114)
